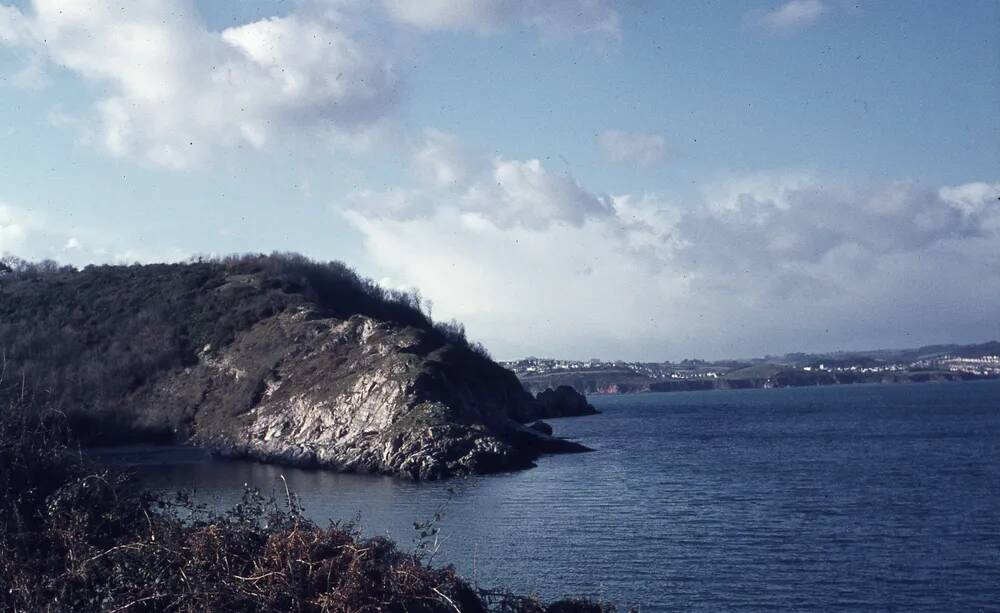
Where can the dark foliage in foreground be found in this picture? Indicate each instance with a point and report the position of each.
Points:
(76, 538)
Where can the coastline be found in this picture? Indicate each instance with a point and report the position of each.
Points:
(592, 388)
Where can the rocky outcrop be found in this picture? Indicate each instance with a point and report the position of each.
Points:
(541, 426)
(564, 401)
(359, 396)
(261, 358)
(602, 381)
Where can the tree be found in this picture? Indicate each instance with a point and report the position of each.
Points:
(5, 269)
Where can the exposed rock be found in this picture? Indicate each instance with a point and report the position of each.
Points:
(541, 426)
(292, 379)
(564, 401)
(360, 396)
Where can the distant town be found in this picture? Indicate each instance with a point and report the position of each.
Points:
(931, 363)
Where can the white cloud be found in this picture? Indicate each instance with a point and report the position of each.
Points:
(174, 92)
(974, 199)
(505, 193)
(33, 235)
(519, 289)
(441, 160)
(551, 18)
(634, 147)
(480, 15)
(524, 193)
(13, 230)
(14, 28)
(790, 16)
(762, 263)
(805, 222)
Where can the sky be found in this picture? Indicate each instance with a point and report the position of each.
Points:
(625, 179)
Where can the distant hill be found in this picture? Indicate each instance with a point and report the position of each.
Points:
(757, 371)
(930, 363)
(274, 357)
(895, 355)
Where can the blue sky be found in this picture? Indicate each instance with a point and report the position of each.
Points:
(576, 177)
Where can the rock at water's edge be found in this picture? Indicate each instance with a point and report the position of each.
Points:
(564, 401)
(541, 426)
(274, 358)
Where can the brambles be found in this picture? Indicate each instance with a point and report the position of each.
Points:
(74, 537)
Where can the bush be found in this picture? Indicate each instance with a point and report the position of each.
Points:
(89, 339)
(75, 537)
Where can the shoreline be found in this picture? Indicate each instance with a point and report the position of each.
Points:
(703, 385)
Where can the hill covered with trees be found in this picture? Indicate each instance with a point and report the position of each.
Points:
(274, 357)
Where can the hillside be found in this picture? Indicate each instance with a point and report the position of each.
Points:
(931, 363)
(593, 381)
(277, 358)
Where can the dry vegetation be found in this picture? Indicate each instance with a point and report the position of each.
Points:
(77, 537)
(74, 537)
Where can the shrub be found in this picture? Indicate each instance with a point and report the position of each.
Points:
(89, 339)
(75, 537)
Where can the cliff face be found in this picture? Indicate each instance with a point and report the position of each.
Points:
(606, 381)
(355, 395)
(298, 380)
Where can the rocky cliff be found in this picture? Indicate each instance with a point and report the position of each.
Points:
(277, 358)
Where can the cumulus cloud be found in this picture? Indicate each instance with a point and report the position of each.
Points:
(790, 16)
(548, 17)
(975, 200)
(882, 255)
(804, 223)
(501, 192)
(633, 147)
(173, 91)
(524, 193)
(761, 263)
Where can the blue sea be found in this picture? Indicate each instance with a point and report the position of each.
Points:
(834, 498)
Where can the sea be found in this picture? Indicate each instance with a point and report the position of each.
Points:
(866, 497)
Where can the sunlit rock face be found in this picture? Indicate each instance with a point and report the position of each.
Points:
(360, 395)
(273, 358)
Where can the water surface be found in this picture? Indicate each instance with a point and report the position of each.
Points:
(853, 497)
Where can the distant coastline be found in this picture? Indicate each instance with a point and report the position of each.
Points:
(924, 364)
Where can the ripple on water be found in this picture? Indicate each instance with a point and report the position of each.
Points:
(866, 497)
